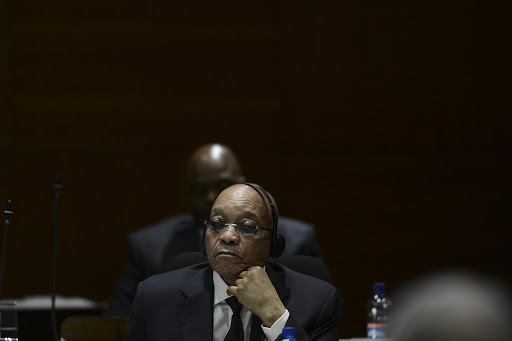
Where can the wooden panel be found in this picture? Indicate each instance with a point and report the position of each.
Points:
(386, 125)
(4, 97)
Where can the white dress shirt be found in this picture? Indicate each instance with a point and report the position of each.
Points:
(222, 314)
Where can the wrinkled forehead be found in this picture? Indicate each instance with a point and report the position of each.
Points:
(241, 201)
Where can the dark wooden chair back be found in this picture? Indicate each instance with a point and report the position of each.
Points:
(93, 328)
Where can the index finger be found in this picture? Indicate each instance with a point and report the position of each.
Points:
(232, 290)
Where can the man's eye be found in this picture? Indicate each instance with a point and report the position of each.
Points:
(248, 227)
(216, 224)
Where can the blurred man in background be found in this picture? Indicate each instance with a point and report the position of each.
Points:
(455, 306)
(211, 169)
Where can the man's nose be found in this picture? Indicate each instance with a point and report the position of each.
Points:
(229, 235)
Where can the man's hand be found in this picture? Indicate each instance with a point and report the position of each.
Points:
(255, 292)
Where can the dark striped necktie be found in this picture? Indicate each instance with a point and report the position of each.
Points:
(236, 331)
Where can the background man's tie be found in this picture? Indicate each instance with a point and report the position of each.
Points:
(236, 331)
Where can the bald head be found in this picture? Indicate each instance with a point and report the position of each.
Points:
(213, 160)
(211, 168)
(241, 192)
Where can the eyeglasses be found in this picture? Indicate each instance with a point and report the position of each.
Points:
(245, 229)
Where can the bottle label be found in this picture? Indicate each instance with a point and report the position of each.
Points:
(376, 330)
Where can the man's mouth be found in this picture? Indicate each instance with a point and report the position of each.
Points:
(226, 253)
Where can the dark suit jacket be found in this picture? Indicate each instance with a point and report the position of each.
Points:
(151, 249)
(178, 305)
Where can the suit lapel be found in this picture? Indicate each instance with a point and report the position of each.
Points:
(276, 275)
(195, 311)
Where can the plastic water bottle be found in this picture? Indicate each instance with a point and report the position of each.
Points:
(378, 309)
(289, 334)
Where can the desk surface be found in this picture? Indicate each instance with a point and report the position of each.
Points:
(362, 339)
(44, 302)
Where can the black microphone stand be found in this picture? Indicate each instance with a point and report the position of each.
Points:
(57, 187)
(8, 213)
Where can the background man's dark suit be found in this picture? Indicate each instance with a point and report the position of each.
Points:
(178, 305)
(151, 248)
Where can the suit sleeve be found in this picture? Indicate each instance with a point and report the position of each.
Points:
(120, 303)
(326, 326)
(135, 328)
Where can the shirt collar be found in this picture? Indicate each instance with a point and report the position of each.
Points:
(220, 287)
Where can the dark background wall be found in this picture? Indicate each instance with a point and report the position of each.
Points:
(385, 124)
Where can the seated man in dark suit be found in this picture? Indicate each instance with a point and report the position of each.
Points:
(211, 169)
(236, 295)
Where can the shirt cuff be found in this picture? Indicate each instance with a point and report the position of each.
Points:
(272, 333)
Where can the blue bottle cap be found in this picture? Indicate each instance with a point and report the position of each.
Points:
(379, 288)
(288, 331)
